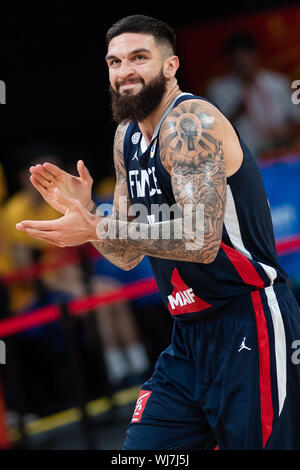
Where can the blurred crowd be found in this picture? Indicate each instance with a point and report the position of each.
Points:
(256, 100)
(129, 335)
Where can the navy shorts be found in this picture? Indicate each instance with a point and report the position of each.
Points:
(231, 382)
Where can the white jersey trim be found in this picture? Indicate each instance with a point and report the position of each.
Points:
(280, 346)
(232, 226)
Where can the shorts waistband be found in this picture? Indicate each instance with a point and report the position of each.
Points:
(267, 294)
(280, 289)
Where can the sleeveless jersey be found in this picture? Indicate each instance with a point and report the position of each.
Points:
(247, 258)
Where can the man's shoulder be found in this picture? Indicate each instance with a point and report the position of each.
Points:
(201, 107)
(122, 128)
(119, 138)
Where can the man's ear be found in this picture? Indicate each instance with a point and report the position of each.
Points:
(171, 65)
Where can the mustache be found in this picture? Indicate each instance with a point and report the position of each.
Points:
(129, 80)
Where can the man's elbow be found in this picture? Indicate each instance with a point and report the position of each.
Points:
(209, 258)
(128, 266)
(210, 252)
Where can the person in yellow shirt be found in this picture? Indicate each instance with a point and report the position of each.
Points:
(19, 250)
(5, 263)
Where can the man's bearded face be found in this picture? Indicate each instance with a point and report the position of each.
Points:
(136, 107)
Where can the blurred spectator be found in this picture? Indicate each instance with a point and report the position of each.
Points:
(21, 250)
(151, 317)
(5, 441)
(5, 262)
(257, 101)
(33, 355)
(125, 353)
(4, 313)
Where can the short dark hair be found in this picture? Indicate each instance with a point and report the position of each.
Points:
(162, 32)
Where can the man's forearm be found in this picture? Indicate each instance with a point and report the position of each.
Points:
(119, 254)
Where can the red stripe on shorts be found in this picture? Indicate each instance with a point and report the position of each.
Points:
(266, 404)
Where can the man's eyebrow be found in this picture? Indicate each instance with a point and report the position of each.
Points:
(141, 49)
(135, 51)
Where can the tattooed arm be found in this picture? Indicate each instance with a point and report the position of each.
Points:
(118, 253)
(191, 145)
(191, 149)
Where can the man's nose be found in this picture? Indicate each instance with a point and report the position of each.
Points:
(125, 70)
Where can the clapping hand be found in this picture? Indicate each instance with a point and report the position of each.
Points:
(46, 177)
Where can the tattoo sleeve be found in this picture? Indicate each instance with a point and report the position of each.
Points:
(191, 149)
(191, 146)
(118, 253)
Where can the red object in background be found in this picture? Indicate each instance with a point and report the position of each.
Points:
(5, 442)
(200, 47)
(49, 313)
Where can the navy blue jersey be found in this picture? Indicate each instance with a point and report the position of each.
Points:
(247, 258)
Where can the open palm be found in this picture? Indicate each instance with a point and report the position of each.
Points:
(46, 177)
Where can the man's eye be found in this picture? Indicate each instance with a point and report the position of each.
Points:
(139, 57)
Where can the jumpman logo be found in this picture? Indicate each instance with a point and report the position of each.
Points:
(243, 346)
(135, 157)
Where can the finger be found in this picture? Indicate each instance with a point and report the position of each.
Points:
(54, 170)
(83, 171)
(41, 173)
(49, 196)
(38, 184)
(19, 226)
(42, 236)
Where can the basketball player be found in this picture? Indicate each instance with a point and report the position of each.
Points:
(228, 378)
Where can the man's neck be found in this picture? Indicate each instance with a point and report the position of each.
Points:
(148, 125)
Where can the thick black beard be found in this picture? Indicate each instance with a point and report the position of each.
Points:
(137, 107)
